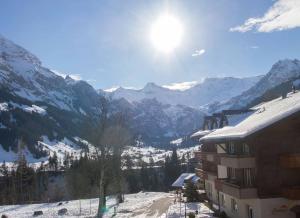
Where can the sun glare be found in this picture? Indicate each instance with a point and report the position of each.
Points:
(166, 33)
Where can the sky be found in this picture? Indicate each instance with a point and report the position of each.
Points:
(107, 43)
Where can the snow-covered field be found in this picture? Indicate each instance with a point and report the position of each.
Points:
(139, 205)
(66, 146)
(158, 155)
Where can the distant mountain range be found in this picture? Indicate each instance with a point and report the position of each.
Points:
(208, 91)
(36, 103)
(281, 72)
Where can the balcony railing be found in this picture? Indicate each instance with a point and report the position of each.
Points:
(201, 173)
(290, 161)
(206, 175)
(237, 161)
(235, 189)
(292, 193)
(207, 156)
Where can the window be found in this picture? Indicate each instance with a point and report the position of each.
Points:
(231, 173)
(209, 190)
(249, 210)
(248, 177)
(234, 207)
(246, 148)
(231, 148)
(222, 200)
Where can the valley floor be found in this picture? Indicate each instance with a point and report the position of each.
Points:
(139, 205)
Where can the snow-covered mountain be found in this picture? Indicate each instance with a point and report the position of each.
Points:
(37, 103)
(23, 75)
(281, 72)
(159, 123)
(208, 91)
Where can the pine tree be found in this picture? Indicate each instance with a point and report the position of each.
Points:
(191, 192)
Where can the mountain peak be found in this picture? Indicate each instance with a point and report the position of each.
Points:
(286, 68)
(12, 52)
(151, 86)
(286, 62)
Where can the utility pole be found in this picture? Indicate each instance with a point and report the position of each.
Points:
(184, 209)
(180, 202)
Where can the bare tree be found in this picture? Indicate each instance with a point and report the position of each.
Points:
(110, 135)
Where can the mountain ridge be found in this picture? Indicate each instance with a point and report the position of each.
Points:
(36, 103)
(280, 72)
(201, 94)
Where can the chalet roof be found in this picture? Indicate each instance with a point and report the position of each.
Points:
(200, 133)
(184, 177)
(265, 114)
(234, 117)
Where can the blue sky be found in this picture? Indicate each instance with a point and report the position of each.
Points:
(107, 42)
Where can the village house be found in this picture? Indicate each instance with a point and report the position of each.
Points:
(252, 169)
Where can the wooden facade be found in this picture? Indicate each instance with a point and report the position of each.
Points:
(263, 165)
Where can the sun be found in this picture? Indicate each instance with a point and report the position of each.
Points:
(166, 33)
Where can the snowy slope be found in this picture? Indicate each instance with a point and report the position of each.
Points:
(157, 123)
(23, 74)
(158, 155)
(207, 91)
(63, 101)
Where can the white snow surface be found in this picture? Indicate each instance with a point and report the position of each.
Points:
(177, 210)
(265, 115)
(139, 205)
(135, 205)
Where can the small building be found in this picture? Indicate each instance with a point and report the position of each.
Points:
(184, 178)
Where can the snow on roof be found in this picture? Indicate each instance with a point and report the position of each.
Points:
(201, 133)
(265, 115)
(235, 119)
(183, 177)
(177, 141)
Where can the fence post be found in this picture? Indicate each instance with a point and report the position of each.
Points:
(79, 207)
(90, 207)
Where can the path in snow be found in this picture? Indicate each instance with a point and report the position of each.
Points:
(156, 209)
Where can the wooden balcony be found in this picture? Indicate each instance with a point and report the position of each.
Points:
(201, 173)
(290, 160)
(291, 193)
(199, 155)
(207, 171)
(207, 156)
(237, 161)
(236, 190)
